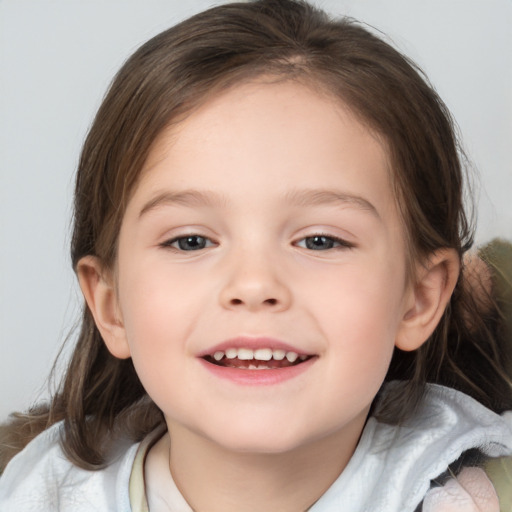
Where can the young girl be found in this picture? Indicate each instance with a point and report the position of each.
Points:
(268, 234)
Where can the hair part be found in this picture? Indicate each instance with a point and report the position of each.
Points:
(180, 69)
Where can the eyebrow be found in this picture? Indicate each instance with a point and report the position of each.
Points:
(305, 198)
(301, 198)
(185, 198)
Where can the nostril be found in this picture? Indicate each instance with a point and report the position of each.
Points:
(270, 302)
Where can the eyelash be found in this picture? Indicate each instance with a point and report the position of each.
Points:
(336, 243)
(169, 244)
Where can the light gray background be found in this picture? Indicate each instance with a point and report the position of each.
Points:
(56, 60)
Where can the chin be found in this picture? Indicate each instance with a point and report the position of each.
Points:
(263, 440)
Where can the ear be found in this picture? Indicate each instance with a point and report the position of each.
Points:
(427, 298)
(99, 291)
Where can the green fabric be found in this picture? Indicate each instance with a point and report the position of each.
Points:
(498, 256)
(499, 472)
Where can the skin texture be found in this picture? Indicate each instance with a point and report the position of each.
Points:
(258, 172)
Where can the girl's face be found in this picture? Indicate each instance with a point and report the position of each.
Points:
(264, 226)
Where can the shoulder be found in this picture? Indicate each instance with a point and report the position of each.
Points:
(447, 416)
(41, 474)
(394, 466)
(451, 425)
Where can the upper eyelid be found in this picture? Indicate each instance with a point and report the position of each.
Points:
(173, 245)
(188, 235)
(169, 236)
(340, 239)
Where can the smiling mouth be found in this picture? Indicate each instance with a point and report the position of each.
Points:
(259, 359)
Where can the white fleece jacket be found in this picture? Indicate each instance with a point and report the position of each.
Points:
(390, 470)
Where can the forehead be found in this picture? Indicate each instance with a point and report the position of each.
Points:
(280, 133)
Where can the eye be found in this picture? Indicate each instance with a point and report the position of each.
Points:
(189, 243)
(322, 243)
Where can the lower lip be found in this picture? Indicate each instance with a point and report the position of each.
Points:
(258, 377)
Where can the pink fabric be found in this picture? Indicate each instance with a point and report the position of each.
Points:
(471, 491)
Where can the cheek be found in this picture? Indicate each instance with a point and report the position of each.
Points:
(368, 295)
(359, 313)
(154, 313)
(155, 294)
(156, 342)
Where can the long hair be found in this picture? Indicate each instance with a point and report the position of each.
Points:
(180, 69)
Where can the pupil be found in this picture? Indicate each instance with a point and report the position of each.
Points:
(319, 242)
(192, 243)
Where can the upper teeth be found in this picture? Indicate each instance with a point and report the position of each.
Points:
(260, 354)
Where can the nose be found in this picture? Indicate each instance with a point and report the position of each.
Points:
(254, 283)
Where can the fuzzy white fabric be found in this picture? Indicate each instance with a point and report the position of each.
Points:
(390, 470)
(41, 478)
(392, 467)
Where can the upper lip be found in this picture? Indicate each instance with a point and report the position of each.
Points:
(253, 343)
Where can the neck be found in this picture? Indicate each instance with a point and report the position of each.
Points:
(213, 478)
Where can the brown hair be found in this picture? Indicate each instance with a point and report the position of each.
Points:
(171, 75)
